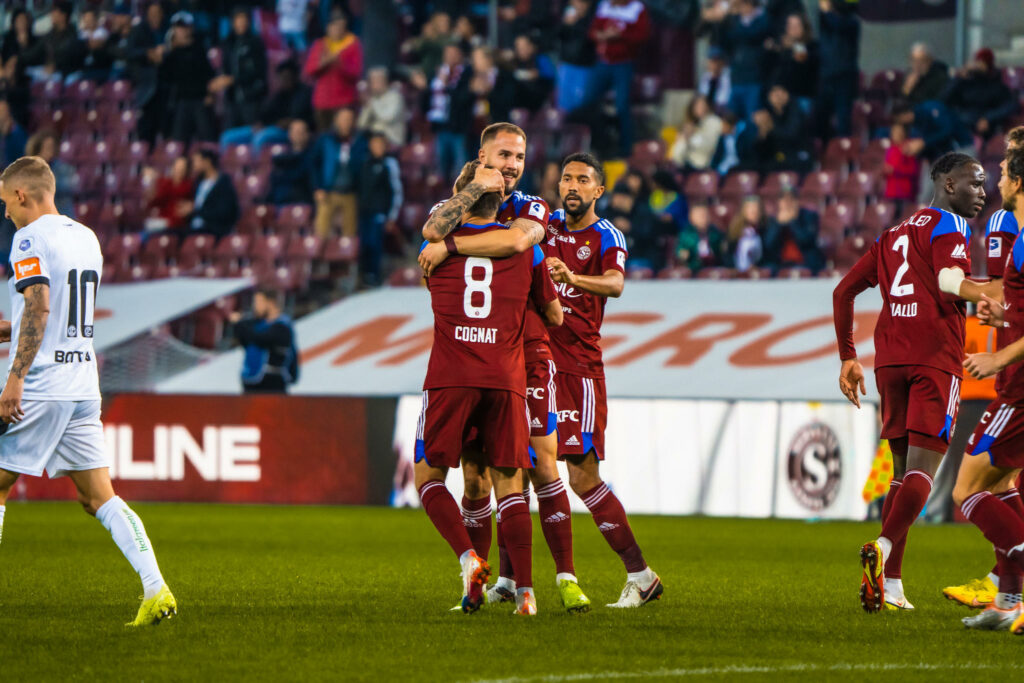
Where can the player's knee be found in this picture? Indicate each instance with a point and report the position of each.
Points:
(581, 481)
(89, 504)
(477, 487)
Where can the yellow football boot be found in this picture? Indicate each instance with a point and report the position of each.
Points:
(977, 593)
(152, 611)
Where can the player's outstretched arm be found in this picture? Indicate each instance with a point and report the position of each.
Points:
(521, 236)
(30, 338)
(953, 281)
(982, 365)
(608, 284)
(449, 214)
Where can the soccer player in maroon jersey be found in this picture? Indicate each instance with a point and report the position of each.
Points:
(920, 267)
(587, 258)
(1000, 234)
(995, 451)
(475, 389)
(503, 146)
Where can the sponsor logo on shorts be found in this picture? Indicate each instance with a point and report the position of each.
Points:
(815, 466)
(572, 441)
(535, 424)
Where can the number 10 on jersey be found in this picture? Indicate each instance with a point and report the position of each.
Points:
(81, 303)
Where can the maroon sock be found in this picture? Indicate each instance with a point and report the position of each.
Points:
(999, 523)
(516, 528)
(476, 516)
(1012, 498)
(906, 505)
(893, 563)
(556, 523)
(443, 511)
(612, 523)
(504, 561)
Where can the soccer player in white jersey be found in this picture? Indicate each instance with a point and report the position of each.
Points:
(50, 404)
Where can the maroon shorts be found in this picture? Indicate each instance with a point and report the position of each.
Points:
(1000, 433)
(920, 403)
(454, 416)
(540, 397)
(582, 415)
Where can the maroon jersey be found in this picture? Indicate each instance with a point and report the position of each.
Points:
(597, 248)
(918, 325)
(1011, 385)
(479, 309)
(521, 205)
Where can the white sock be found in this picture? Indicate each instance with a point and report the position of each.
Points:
(524, 589)
(2, 508)
(894, 587)
(644, 578)
(886, 545)
(992, 576)
(1007, 600)
(506, 583)
(565, 576)
(130, 536)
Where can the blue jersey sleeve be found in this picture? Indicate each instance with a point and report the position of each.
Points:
(950, 223)
(1002, 221)
(611, 237)
(1018, 254)
(538, 256)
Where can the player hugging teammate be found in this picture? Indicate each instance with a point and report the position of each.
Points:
(566, 399)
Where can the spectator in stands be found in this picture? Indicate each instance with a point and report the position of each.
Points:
(426, 50)
(698, 138)
(46, 143)
(271, 360)
(380, 198)
(244, 81)
(744, 236)
(215, 209)
(790, 238)
(716, 82)
(187, 72)
(291, 174)
(979, 96)
(630, 211)
(337, 158)
(448, 106)
(840, 71)
(576, 54)
(12, 136)
(534, 74)
(94, 36)
(902, 169)
(14, 82)
(171, 202)
(934, 129)
(335, 63)
(701, 244)
(492, 86)
(547, 188)
(927, 77)
(384, 110)
(619, 29)
(59, 53)
(788, 146)
(291, 22)
(734, 147)
(119, 41)
(745, 32)
(466, 35)
(779, 12)
(291, 100)
(796, 62)
(146, 51)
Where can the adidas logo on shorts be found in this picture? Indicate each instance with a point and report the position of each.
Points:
(572, 441)
(536, 423)
(556, 518)
(607, 526)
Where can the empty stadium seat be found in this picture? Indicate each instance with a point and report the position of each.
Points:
(341, 250)
(738, 185)
(701, 186)
(716, 274)
(840, 154)
(878, 218)
(158, 250)
(195, 251)
(639, 273)
(873, 158)
(406, 277)
(675, 273)
(266, 249)
(777, 182)
(818, 186)
(858, 186)
(306, 247)
(794, 273)
(294, 219)
(232, 249)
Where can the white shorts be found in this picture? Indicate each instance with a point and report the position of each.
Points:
(55, 436)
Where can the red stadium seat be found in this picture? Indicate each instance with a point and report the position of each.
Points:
(132, 273)
(253, 189)
(87, 212)
(722, 214)
(238, 158)
(794, 274)
(294, 219)
(857, 187)
(887, 83)
(840, 154)
(873, 158)
(549, 118)
(675, 273)
(81, 91)
(639, 273)
(165, 153)
(267, 249)
(818, 186)
(119, 92)
(111, 216)
(520, 117)
(123, 248)
(306, 248)
(196, 251)
(574, 137)
(409, 276)
(341, 250)
(850, 250)
(417, 155)
(647, 155)
(776, 183)
(412, 216)
(716, 274)
(646, 88)
(994, 149)
(878, 218)
(232, 249)
(158, 249)
(738, 185)
(755, 274)
(701, 186)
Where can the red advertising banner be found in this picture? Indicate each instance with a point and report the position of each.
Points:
(237, 449)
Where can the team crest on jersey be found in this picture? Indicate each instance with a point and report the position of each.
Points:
(583, 253)
(25, 245)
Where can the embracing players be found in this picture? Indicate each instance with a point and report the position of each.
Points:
(920, 266)
(475, 390)
(50, 405)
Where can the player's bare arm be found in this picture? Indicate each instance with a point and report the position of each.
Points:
(953, 281)
(30, 338)
(609, 284)
(521, 235)
(449, 215)
(553, 314)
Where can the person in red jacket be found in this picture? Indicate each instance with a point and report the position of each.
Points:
(335, 65)
(902, 170)
(618, 30)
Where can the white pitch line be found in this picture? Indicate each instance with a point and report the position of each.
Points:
(723, 670)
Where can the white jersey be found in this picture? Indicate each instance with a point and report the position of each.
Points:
(59, 252)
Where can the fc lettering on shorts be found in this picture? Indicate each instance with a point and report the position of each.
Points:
(27, 268)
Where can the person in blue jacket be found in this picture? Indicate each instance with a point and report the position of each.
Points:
(268, 336)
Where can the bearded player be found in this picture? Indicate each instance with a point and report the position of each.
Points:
(503, 147)
(587, 259)
(1000, 234)
(995, 451)
(476, 389)
(920, 267)
(50, 405)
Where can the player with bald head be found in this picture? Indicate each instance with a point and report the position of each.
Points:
(50, 404)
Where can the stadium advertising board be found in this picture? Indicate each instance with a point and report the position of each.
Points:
(732, 340)
(245, 449)
(788, 459)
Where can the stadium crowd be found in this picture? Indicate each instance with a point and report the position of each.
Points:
(302, 142)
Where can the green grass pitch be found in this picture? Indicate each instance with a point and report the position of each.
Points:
(297, 594)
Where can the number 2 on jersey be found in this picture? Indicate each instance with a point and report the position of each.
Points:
(473, 286)
(901, 244)
(81, 304)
